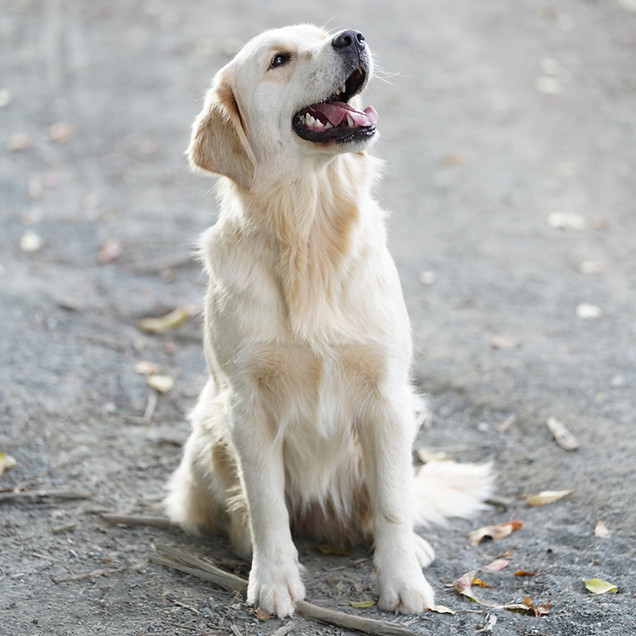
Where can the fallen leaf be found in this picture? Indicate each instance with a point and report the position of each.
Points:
(261, 614)
(463, 585)
(31, 242)
(442, 609)
(170, 321)
(586, 311)
(455, 158)
(548, 85)
(109, 251)
(428, 278)
(601, 530)
(426, 455)
(146, 368)
(362, 604)
(5, 97)
(504, 342)
(19, 142)
(491, 621)
(562, 436)
(599, 586)
(480, 583)
(61, 132)
(332, 549)
(525, 573)
(6, 463)
(161, 383)
(566, 221)
(495, 532)
(528, 607)
(498, 564)
(591, 267)
(547, 497)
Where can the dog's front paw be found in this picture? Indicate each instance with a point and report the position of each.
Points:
(405, 591)
(275, 588)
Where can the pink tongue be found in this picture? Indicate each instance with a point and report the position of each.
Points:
(336, 112)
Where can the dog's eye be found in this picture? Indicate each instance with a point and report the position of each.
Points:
(280, 59)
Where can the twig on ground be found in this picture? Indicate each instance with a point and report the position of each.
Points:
(189, 564)
(90, 575)
(34, 495)
(135, 520)
(285, 629)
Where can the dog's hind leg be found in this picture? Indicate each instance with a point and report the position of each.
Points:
(204, 493)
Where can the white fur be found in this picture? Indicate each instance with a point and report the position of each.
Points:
(308, 412)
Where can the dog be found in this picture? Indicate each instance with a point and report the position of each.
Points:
(307, 421)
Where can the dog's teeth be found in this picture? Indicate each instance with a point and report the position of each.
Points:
(318, 124)
(350, 122)
(328, 125)
(310, 120)
(343, 89)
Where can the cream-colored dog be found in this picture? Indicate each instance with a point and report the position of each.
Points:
(307, 421)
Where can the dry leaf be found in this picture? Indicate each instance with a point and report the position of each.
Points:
(61, 132)
(566, 221)
(442, 609)
(463, 585)
(591, 267)
(146, 368)
(525, 573)
(599, 586)
(498, 564)
(586, 311)
(5, 97)
(548, 85)
(362, 604)
(601, 530)
(480, 583)
(495, 532)
(170, 321)
(426, 455)
(6, 463)
(504, 342)
(109, 251)
(31, 242)
(261, 614)
(547, 497)
(161, 383)
(19, 142)
(528, 607)
(561, 435)
(332, 549)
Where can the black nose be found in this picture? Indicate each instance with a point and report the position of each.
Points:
(348, 39)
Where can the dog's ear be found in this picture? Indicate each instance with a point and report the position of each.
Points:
(218, 142)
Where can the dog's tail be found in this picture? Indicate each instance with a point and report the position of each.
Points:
(449, 489)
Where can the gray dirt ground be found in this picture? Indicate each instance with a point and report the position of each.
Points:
(500, 114)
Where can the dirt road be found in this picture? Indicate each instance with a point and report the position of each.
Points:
(509, 134)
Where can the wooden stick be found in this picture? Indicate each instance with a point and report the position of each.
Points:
(135, 520)
(6, 497)
(189, 564)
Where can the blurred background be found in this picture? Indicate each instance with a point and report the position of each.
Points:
(508, 132)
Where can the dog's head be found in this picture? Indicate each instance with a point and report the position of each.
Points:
(288, 93)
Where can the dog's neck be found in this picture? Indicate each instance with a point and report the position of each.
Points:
(314, 223)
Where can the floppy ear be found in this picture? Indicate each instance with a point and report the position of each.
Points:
(218, 142)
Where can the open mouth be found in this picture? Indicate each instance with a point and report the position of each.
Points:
(334, 119)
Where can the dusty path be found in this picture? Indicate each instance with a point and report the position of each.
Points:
(502, 114)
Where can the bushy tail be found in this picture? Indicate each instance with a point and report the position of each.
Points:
(449, 489)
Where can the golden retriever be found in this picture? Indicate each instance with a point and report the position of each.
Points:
(308, 418)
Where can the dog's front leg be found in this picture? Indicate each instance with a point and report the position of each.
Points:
(274, 583)
(386, 436)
